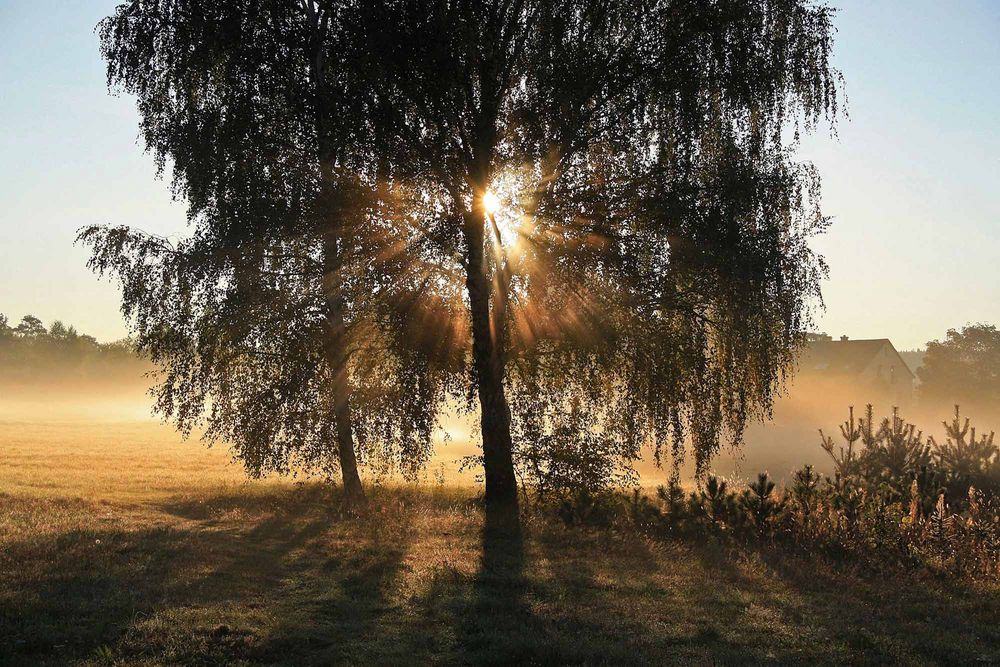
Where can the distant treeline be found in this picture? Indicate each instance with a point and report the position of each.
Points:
(32, 354)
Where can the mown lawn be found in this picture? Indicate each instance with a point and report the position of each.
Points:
(219, 572)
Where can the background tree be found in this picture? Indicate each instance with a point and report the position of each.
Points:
(59, 330)
(264, 320)
(964, 368)
(30, 327)
(615, 184)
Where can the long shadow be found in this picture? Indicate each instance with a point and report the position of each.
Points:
(610, 608)
(839, 616)
(716, 609)
(278, 578)
(283, 578)
(893, 616)
(82, 589)
(498, 626)
(324, 574)
(560, 614)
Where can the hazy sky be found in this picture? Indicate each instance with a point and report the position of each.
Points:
(913, 180)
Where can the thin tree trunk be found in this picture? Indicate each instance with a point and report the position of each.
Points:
(340, 386)
(354, 493)
(502, 514)
(335, 347)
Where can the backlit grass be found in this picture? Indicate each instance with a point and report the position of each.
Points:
(121, 545)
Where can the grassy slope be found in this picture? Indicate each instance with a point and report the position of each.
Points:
(121, 545)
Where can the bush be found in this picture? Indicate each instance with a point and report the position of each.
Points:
(895, 500)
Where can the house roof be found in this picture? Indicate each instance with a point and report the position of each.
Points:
(843, 357)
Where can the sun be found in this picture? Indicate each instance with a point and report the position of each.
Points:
(501, 216)
(503, 206)
(491, 202)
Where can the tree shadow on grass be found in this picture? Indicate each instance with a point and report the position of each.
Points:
(282, 577)
(269, 577)
(497, 623)
(893, 616)
(773, 605)
(567, 596)
(596, 597)
(71, 593)
(544, 601)
(608, 603)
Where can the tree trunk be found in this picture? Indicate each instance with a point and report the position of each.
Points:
(354, 493)
(340, 386)
(335, 345)
(501, 484)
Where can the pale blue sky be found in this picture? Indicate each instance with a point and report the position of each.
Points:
(913, 180)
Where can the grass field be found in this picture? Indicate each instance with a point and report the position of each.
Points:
(119, 544)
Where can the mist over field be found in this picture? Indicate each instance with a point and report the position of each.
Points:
(84, 405)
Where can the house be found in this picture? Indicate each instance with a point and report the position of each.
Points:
(871, 369)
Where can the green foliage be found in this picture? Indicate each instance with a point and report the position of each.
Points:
(896, 452)
(895, 456)
(30, 327)
(846, 497)
(804, 498)
(845, 460)
(805, 489)
(901, 499)
(671, 499)
(977, 534)
(962, 368)
(568, 461)
(269, 323)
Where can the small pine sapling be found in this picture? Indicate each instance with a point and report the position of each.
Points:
(846, 461)
(763, 507)
(717, 503)
(805, 496)
(967, 460)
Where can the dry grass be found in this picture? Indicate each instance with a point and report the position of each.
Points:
(121, 545)
(111, 461)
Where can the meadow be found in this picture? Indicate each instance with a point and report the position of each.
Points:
(122, 544)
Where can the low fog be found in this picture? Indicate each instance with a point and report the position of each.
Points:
(114, 387)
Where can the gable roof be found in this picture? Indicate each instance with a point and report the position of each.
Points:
(843, 357)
